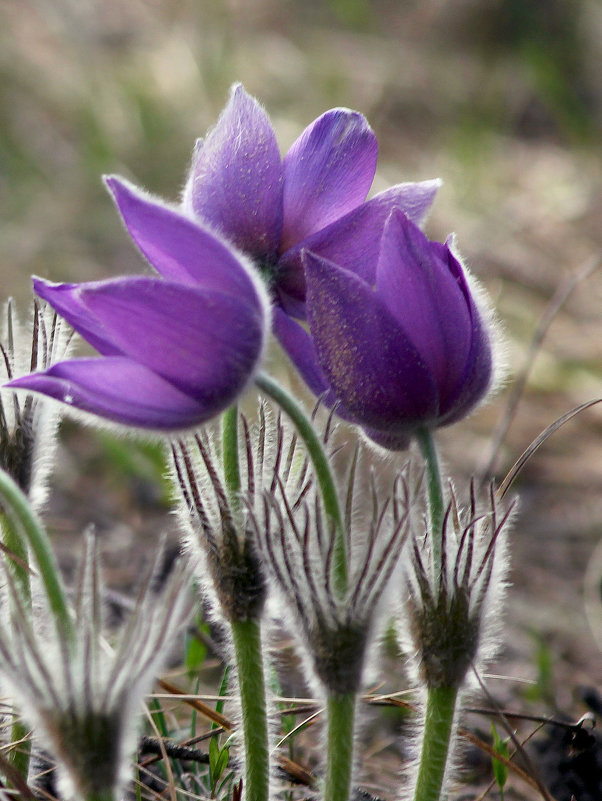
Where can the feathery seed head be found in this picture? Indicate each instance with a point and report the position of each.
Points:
(297, 542)
(83, 697)
(27, 424)
(452, 619)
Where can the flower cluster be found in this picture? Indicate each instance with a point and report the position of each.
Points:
(395, 340)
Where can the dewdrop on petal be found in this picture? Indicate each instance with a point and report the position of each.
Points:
(84, 699)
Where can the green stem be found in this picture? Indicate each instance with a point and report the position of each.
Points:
(324, 476)
(440, 709)
(230, 455)
(249, 661)
(19, 569)
(28, 527)
(435, 496)
(341, 717)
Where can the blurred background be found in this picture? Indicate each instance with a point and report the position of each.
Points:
(501, 99)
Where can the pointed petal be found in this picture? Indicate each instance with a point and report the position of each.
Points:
(201, 341)
(476, 380)
(236, 177)
(122, 391)
(421, 293)
(369, 361)
(66, 300)
(179, 248)
(327, 172)
(353, 241)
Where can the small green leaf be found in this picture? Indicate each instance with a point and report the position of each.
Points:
(500, 771)
(213, 753)
(221, 764)
(196, 652)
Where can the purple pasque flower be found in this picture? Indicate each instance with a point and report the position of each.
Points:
(399, 345)
(176, 349)
(314, 198)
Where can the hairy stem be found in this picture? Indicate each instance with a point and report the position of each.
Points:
(27, 527)
(324, 476)
(18, 563)
(249, 660)
(435, 496)
(438, 724)
(341, 718)
(230, 455)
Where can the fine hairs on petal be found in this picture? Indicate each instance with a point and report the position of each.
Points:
(83, 697)
(492, 324)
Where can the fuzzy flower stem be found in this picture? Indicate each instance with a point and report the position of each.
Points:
(435, 495)
(321, 465)
(341, 717)
(230, 454)
(18, 757)
(440, 709)
(27, 526)
(246, 635)
(247, 647)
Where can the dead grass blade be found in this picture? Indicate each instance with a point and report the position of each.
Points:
(528, 453)
(562, 294)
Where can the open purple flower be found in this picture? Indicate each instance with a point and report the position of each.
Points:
(399, 345)
(314, 198)
(175, 350)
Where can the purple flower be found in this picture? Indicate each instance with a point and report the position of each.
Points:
(399, 345)
(175, 350)
(314, 198)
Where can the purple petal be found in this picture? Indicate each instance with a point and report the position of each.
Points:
(66, 300)
(327, 172)
(178, 248)
(424, 297)
(236, 178)
(123, 391)
(389, 440)
(353, 241)
(201, 341)
(369, 361)
(474, 383)
(299, 346)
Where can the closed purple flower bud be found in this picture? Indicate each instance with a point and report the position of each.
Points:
(399, 346)
(175, 350)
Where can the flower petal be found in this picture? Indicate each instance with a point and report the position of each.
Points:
(236, 177)
(369, 361)
(327, 172)
(178, 248)
(299, 347)
(121, 390)
(201, 341)
(476, 380)
(351, 241)
(66, 300)
(424, 297)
